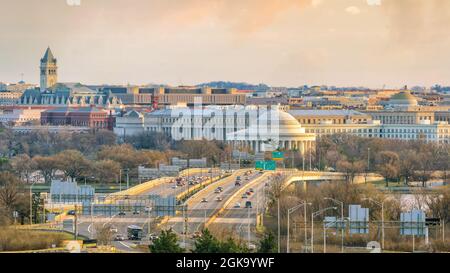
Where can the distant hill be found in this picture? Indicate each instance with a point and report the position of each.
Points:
(237, 85)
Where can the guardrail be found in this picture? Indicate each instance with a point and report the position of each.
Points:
(234, 195)
(196, 188)
(146, 186)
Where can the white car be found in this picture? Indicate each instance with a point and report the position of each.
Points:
(237, 205)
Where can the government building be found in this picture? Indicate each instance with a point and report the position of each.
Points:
(257, 128)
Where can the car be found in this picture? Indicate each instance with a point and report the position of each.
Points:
(152, 237)
(147, 209)
(248, 205)
(251, 246)
(237, 183)
(217, 191)
(136, 212)
(248, 193)
(204, 200)
(218, 199)
(244, 196)
(261, 172)
(113, 229)
(122, 213)
(246, 178)
(237, 205)
(119, 237)
(238, 178)
(71, 212)
(174, 186)
(220, 188)
(126, 197)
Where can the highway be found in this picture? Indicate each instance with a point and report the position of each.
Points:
(87, 225)
(199, 212)
(237, 220)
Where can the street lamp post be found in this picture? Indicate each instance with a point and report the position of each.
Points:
(381, 204)
(279, 234)
(149, 223)
(291, 210)
(120, 180)
(325, 234)
(128, 178)
(342, 219)
(314, 214)
(31, 202)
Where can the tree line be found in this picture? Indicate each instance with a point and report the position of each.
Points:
(396, 160)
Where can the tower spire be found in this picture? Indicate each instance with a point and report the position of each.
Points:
(49, 70)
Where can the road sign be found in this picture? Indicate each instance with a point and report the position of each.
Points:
(432, 221)
(259, 165)
(413, 223)
(268, 165)
(277, 155)
(359, 219)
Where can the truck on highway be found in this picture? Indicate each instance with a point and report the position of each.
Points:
(134, 232)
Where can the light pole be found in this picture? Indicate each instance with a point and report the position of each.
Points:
(314, 214)
(149, 219)
(31, 202)
(248, 226)
(291, 210)
(381, 204)
(325, 234)
(368, 159)
(342, 219)
(278, 212)
(120, 180)
(128, 178)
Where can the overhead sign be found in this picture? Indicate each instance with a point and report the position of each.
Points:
(277, 155)
(269, 165)
(433, 221)
(359, 219)
(413, 223)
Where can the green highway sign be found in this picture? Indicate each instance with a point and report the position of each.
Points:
(269, 165)
(277, 155)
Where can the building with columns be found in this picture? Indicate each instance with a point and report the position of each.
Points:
(255, 127)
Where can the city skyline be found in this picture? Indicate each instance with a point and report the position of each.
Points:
(346, 43)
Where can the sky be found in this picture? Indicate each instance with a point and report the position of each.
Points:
(371, 43)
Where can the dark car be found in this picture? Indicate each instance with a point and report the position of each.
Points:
(122, 213)
(119, 237)
(71, 212)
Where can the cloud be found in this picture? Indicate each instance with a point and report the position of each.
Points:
(316, 3)
(417, 21)
(353, 10)
(243, 17)
(374, 2)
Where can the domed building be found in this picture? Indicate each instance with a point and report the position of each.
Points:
(274, 129)
(403, 99)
